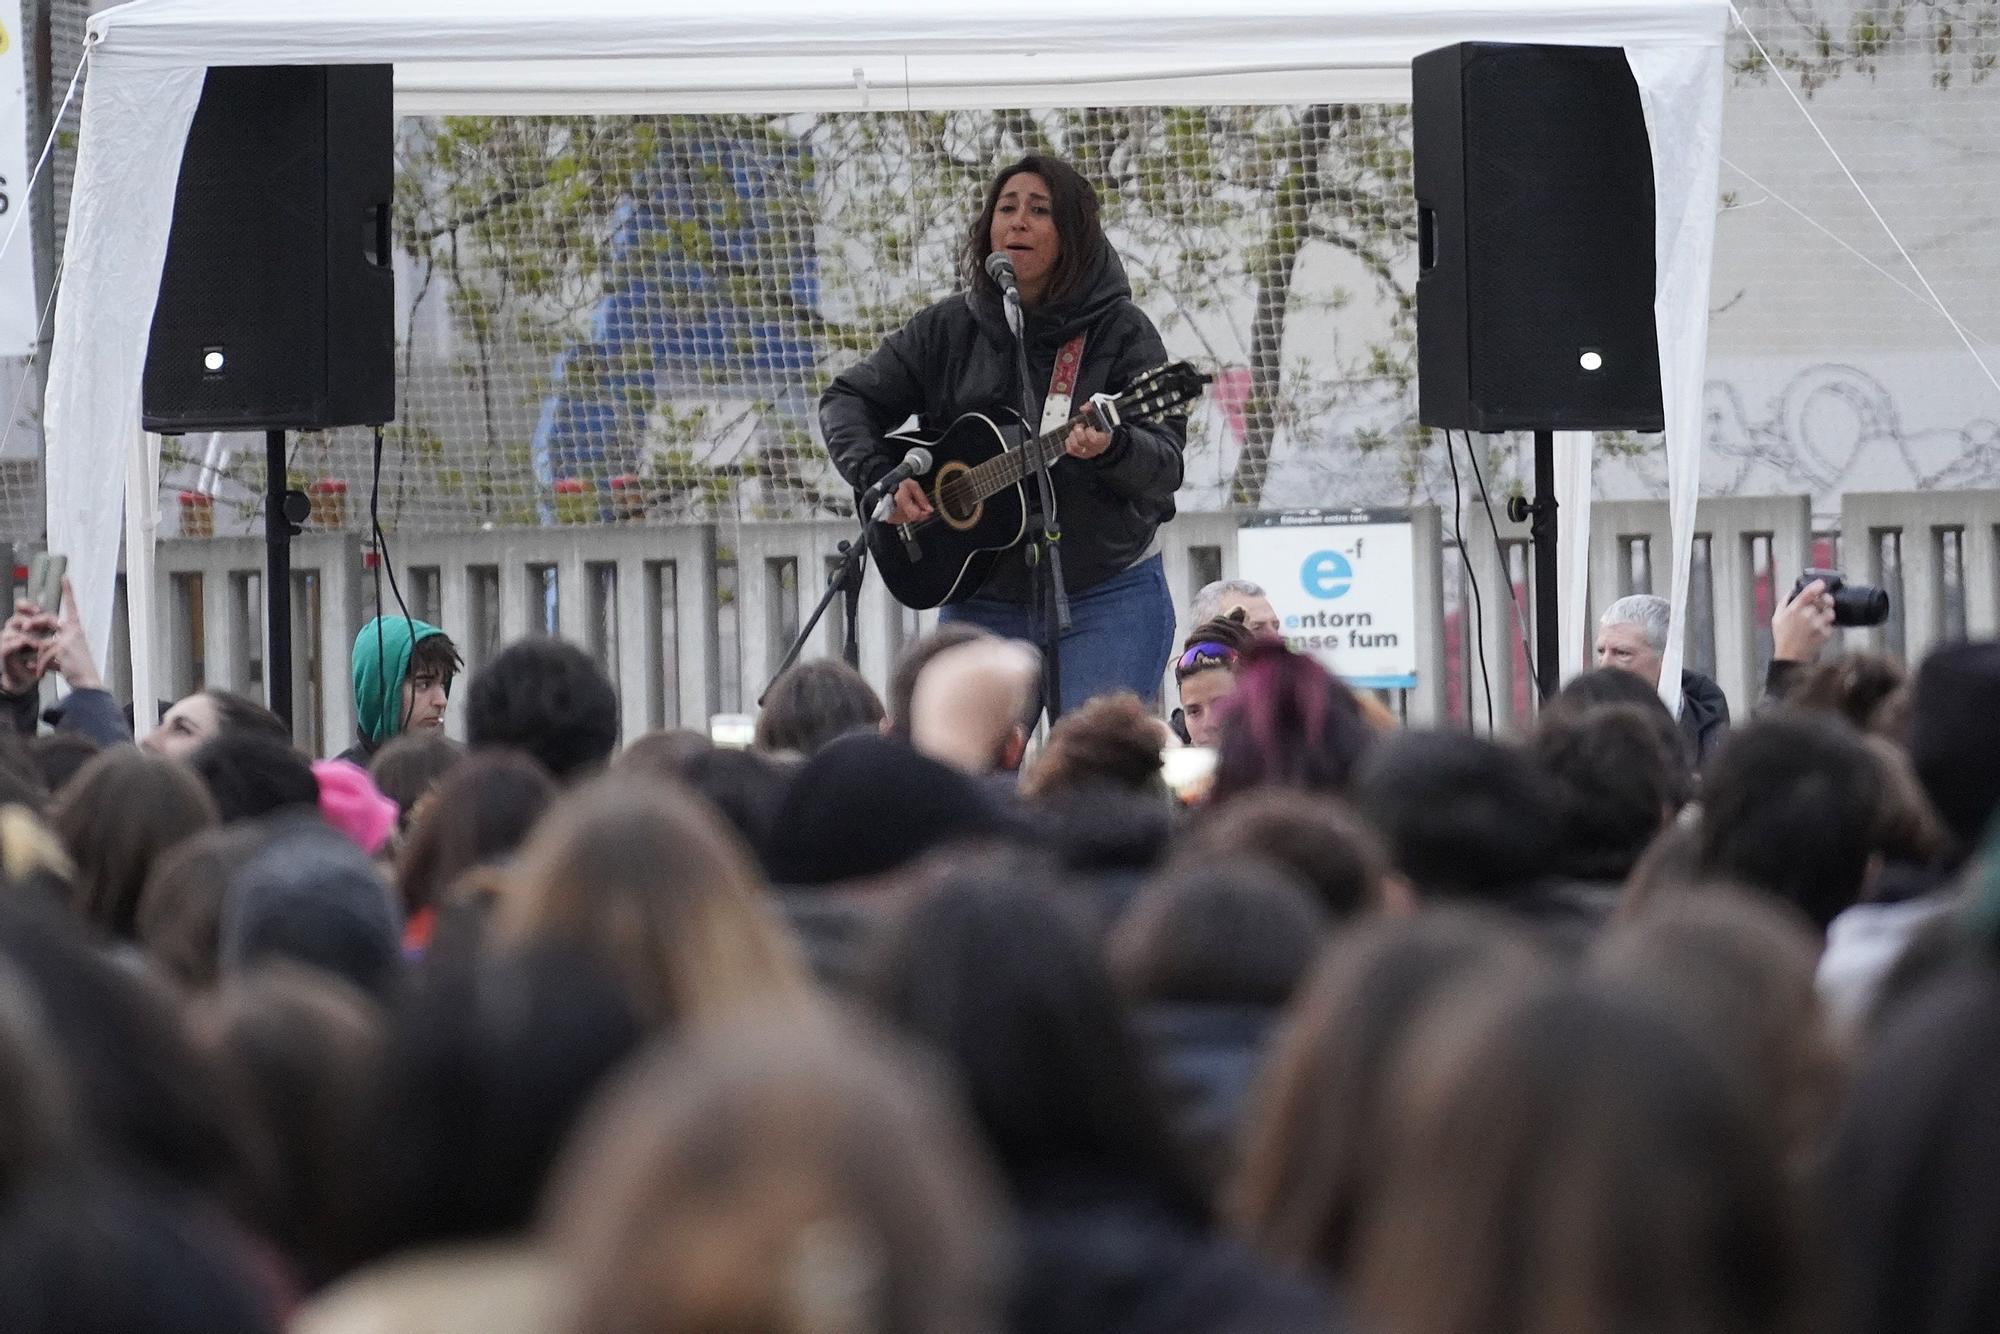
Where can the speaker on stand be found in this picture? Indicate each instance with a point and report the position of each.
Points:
(1534, 183)
(277, 301)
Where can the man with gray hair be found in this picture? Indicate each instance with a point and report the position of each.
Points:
(1632, 637)
(1225, 597)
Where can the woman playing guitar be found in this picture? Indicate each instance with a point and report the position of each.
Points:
(1113, 488)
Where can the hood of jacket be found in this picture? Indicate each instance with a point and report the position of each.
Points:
(380, 660)
(1054, 323)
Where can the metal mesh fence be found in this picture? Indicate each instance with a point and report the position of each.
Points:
(630, 319)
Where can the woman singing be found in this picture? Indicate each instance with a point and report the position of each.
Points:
(1113, 490)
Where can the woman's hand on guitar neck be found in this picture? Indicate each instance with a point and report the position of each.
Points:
(911, 503)
(1087, 442)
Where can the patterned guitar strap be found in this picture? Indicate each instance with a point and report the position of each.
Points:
(1062, 385)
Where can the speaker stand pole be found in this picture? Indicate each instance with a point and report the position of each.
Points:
(278, 530)
(1542, 532)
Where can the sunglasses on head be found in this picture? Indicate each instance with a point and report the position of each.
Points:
(1205, 652)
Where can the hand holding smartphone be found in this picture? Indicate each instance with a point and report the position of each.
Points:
(45, 576)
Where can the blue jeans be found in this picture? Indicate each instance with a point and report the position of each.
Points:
(1121, 633)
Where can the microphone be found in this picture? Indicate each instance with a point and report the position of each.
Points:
(918, 460)
(1001, 270)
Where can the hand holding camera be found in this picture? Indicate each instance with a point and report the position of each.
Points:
(1821, 600)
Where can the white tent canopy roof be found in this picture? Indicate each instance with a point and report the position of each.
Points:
(774, 54)
(597, 56)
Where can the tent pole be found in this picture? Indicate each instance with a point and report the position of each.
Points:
(278, 531)
(1542, 531)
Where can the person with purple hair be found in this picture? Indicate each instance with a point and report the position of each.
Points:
(1290, 723)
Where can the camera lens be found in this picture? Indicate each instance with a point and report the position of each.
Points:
(1860, 604)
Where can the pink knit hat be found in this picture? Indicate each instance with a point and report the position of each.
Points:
(351, 803)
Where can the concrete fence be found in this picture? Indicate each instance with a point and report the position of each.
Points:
(691, 621)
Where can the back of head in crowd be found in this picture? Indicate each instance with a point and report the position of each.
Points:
(251, 774)
(1112, 741)
(481, 812)
(1465, 818)
(59, 756)
(910, 664)
(1740, 967)
(976, 703)
(299, 1049)
(1317, 838)
(180, 906)
(1563, 1156)
(998, 979)
(1208, 955)
(1954, 738)
(1319, 1124)
(309, 896)
(1867, 689)
(1238, 932)
(121, 812)
(813, 702)
(1909, 1188)
(488, 1062)
(1792, 806)
(780, 1180)
(1616, 784)
(546, 697)
(1601, 687)
(409, 768)
(645, 880)
(1290, 723)
(867, 805)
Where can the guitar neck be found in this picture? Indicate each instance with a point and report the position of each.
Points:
(1014, 466)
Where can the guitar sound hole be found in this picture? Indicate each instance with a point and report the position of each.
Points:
(955, 498)
(959, 509)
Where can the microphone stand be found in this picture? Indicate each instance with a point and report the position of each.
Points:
(846, 578)
(1045, 553)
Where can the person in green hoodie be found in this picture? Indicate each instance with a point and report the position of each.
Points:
(403, 669)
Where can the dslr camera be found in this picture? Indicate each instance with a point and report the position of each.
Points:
(1853, 604)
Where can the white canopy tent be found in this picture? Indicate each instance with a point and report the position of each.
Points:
(496, 57)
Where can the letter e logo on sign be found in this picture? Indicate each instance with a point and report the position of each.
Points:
(1326, 574)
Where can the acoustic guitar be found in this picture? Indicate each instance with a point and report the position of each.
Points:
(977, 486)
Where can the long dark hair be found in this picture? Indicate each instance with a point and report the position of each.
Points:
(1073, 204)
(995, 977)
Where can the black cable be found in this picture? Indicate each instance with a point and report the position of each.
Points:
(391, 704)
(1500, 549)
(1471, 582)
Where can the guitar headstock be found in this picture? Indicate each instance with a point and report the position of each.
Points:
(1160, 390)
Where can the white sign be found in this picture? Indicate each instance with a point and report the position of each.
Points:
(1344, 585)
(18, 315)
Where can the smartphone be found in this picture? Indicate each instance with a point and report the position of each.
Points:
(45, 576)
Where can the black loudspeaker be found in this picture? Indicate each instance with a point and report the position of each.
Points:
(278, 302)
(1534, 181)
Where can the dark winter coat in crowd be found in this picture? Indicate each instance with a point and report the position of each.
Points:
(1096, 1259)
(1206, 1058)
(1704, 716)
(91, 713)
(957, 356)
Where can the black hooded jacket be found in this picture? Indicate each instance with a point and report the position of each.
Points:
(957, 356)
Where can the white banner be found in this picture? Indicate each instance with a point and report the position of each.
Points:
(18, 315)
(1344, 585)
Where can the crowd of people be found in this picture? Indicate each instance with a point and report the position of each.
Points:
(901, 1021)
(1267, 1016)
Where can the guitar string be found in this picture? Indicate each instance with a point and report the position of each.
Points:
(1006, 469)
